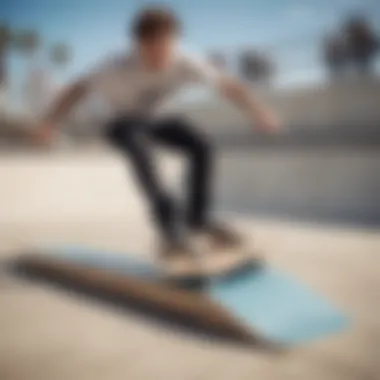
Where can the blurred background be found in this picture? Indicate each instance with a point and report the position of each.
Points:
(309, 197)
(317, 63)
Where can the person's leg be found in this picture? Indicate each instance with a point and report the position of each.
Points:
(365, 65)
(132, 137)
(181, 135)
(178, 134)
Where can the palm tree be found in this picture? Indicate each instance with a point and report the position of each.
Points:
(27, 42)
(256, 67)
(60, 54)
(5, 41)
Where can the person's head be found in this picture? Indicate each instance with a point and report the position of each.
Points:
(156, 32)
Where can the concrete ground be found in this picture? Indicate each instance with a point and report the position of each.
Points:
(48, 334)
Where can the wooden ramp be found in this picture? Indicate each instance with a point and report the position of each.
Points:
(260, 305)
(141, 286)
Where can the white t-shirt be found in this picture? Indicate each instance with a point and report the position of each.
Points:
(128, 87)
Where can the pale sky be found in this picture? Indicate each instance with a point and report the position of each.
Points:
(290, 30)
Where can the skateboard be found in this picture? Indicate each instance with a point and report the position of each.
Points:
(212, 263)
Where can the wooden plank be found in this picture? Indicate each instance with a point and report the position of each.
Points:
(192, 305)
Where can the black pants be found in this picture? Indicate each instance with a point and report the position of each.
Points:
(136, 137)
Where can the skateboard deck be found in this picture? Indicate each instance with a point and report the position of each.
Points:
(226, 262)
(260, 301)
(210, 264)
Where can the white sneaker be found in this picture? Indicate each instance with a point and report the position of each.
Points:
(179, 260)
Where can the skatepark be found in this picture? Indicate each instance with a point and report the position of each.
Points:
(81, 296)
(55, 334)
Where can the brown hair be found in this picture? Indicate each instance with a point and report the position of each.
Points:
(153, 22)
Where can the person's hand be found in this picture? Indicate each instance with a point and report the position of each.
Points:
(267, 121)
(44, 134)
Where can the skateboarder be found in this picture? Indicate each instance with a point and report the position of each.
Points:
(135, 85)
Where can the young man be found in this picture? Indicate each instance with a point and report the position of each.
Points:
(135, 84)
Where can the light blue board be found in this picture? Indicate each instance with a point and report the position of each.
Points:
(115, 262)
(279, 307)
(272, 303)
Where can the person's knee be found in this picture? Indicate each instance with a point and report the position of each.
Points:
(163, 206)
(120, 132)
(199, 145)
(201, 150)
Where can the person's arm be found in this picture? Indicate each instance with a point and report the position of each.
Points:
(66, 101)
(243, 97)
(61, 109)
(203, 72)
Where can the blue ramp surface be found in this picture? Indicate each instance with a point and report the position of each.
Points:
(121, 263)
(277, 306)
(265, 300)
